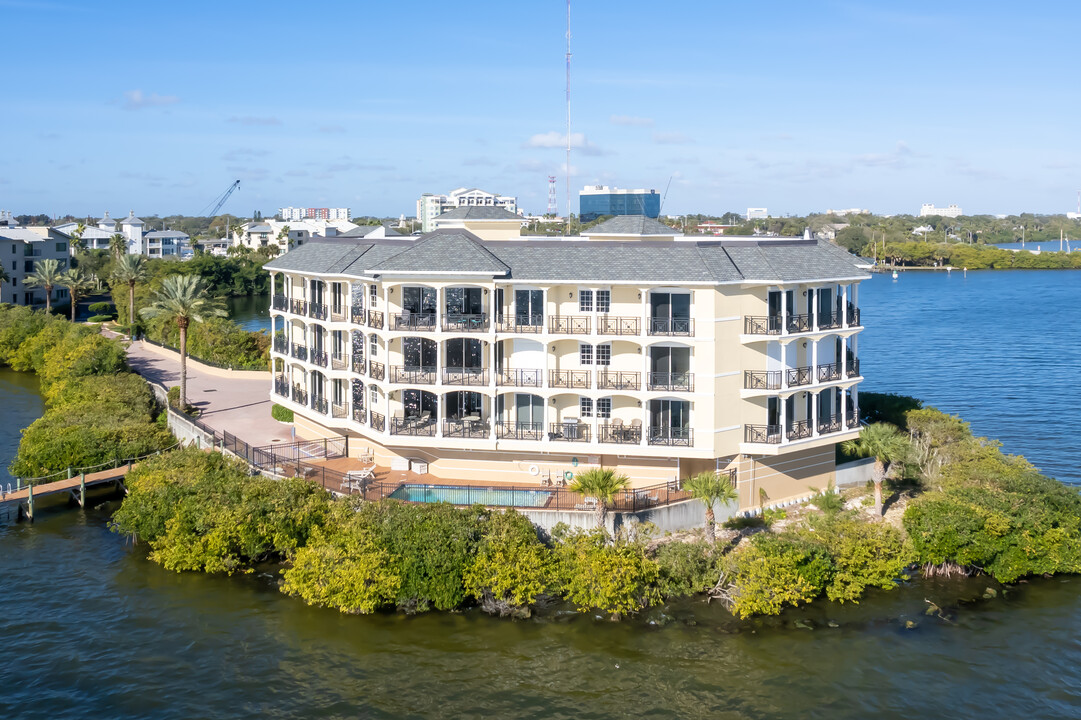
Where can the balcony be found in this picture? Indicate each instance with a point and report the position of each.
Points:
(358, 415)
(281, 346)
(853, 420)
(300, 352)
(852, 317)
(568, 324)
(358, 365)
(671, 436)
(798, 430)
(338, 362)
(519, 378)
(611, 325)
(519, 431)
(799, 323)
(338, 411)
(829, 321)
(619, 434)
(762, 434)
(829, 424)
(853, 368)
(569, 431)
(570, 379)
(338, 313)
(375, 319)
(300, 307)
(799, 376)
(762, 380)
(376, 370)
(762, 325)
(473, 377)
(829, 372)
(320, 405)
(280, 302)
(357, 315)
(531, 324)
(607, 380)
(300, 395)
(465, 429)
(281, 386)
(377, 421)
(465, 322)
(414, 426)
(319, 357)
(671, 326)
(413, 322)
(317, 311)
(413, 374)
(670, 382)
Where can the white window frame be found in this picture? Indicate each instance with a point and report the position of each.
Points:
(585, 294)
(585, 406)
(607, 302)
(585, 354)
(604, 408)
(602, 349)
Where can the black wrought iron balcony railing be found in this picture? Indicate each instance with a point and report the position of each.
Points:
(420, 322)
(762, 324)
(338, 410)
(569, 431)
(299, 307)
(357, 315)
(465, 322)
(853, 368)
(375, 319)
(475, 377)
(762, 380)
(281, 386)
(281, 345)
(338, 361)
(377, 421)
(673, 436)
(797, 376)
(280, 302)
(829, 372)
(300, 352)
(317, 310)
(619, 434)
(764, 434)
(798, 430)
(376, 370)
(413, 374)
(320, 405)
(853, 420)
(671, 326)
(359, 415)
(359, 366)
(670, 381)
(619, 380)
(300, 395)
(519, 431)
(415, 426)
(853, 316)
(319, 357)
(531, 324)
(829, 320)
(569, 324)
(613, 325)
(571, 379)
(520, 378)
(829, 424)
(799, 323)
(468, 429)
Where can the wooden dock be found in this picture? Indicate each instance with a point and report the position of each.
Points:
(22, 500)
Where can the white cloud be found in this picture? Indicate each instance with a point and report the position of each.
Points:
(136, 100)
(898, 158)
(556, 139)
(631, 120)
(672, 138)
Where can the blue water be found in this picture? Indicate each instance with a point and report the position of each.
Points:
(998, 347)
(471, 495)
(1042, 246)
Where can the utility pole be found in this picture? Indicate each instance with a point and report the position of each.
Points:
(568, 167)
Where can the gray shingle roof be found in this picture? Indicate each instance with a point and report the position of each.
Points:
(166, 234)
(479, 212)
(365, 230)
(631, 225)
(650, 261)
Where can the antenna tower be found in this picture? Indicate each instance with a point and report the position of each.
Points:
(568, 165)
(553, 203)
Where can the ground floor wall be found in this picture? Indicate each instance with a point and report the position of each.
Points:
(782, 479)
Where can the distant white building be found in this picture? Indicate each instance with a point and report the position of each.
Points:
(431, 206)
(168, 243)
(296, 213)
(98, 234)
(260, 233)
(757, 213)
(848, 211)
(928, 209)
(20, 250)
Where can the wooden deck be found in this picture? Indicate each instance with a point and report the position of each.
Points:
(23, 499)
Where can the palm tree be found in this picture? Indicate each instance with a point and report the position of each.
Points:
(183, 298)
(77, 241)
(711, 488)
(130, 269)
(4, 278)
(118, 245)
(46, 275)
(602, 484)
(78, 285)
(283, 237)
(886, 444)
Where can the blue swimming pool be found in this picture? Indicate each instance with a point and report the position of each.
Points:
(458, 495)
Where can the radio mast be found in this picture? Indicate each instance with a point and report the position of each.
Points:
(568, 165)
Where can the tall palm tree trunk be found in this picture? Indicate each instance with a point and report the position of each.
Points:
(48, 298)
(74, 303)
(711, 519)
(131, 309)
(182, 323)
(602, 510)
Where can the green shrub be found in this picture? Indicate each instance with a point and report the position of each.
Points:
(216, 340)
(103, 308)
(887, 407)
(615, 578)
(771, 571)
(99, 318)
(511, 567)
(278, 412)
(864, 554)
(174, 396)
(741, 522)
(686, 568)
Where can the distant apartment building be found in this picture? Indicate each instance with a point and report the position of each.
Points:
(929, 209)
(287, 234)
(848, 211)
(595, 201)
(431, 206)
(295, 213)
(20, 249)
(757, 213)
(97, 234)
(168, 243)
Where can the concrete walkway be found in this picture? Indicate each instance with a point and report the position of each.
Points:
(237, 401)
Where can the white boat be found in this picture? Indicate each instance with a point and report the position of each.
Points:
(895, 275)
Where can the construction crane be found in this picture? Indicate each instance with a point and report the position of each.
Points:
(216, 204)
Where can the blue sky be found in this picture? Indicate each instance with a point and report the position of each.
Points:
(795, 106)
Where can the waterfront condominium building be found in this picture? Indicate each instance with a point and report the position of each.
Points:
(20, 249)
(522, 361)
(430, 206)
(595, 201)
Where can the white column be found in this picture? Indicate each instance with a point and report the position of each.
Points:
(844, 410)
(844, 306)
(814, 415)
(784, 311)
(783, 417)
(814, 361)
